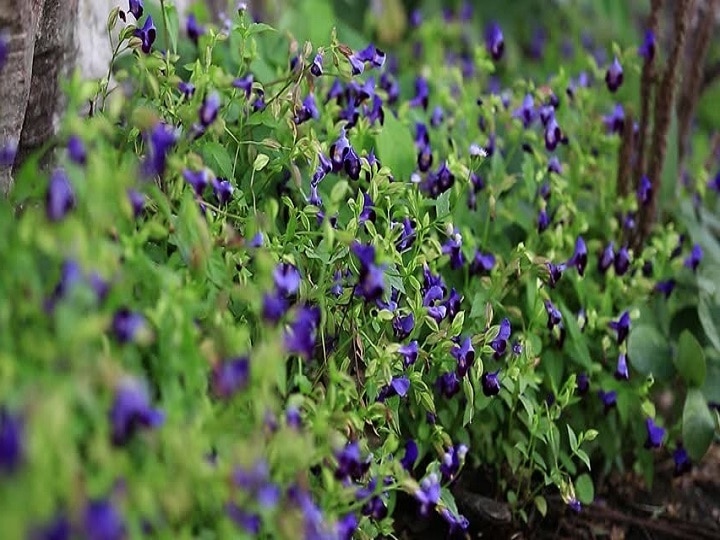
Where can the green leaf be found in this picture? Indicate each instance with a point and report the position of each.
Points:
(217, 157)
(650, 353)
(260, 162)
(470, 404)
(698, 427)
(395, 148)
(584, 489)
(541, 505)
(173, 25)
(709, 313)
(577, 344)
(690, 360)
(573, 439)
(443, 205)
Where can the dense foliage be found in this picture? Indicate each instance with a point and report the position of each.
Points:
(267, 292)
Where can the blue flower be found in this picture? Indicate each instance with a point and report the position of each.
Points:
(194, 29)
(409, 353)
(490, 383)
(644, 191)
(76, 150)
(682, 460)
(428, 495)
(607, 258)
(407, 235)
(448, 384)
(350, 462)
(209, 109)
(372, 55)
(451, 462)
(608, 399)
(647, 48)
(60, 196)
(371, 281)
(482, 263)
(622, 261)
(499, 344)
(146, 34)
(245, 84)
(582, 384)
(247, 521)
(575, 505)
(411, 454)
(665, 287)
(11, 441)
(131, 409)
(615, 121)
(274, 307)
(223, 190)
(621, 371)
(399, 386)
(307, 111)
(102, 521)
(543, 220)
(655, 434)
(346, 526)
(554, 165)
(422, 93)
(137, 202)
(136, 8)
(553, 313)
(555, 272)
(127, 325)
(301, 336)
(230, 376)
(621, 326)
(255, 481)
(494, 41)
(452, 247)
(579, 258)
(693, 260)
(526, 112)
(286, 278)
(553, 134)
(614, 75)
(403, 326)
(162, 139)
(316, 68)
(198, 180)
(464, 354)
(187, 89)
(368, 211)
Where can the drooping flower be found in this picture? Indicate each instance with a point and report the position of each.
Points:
(375, 506)
(399, 386)
(428, 495)
(464, 354)
(187, 89)
(198, 180)
(409, 353)
(422, 93)
(553, 134)
(274, 307)
(526, 112)
(249, 522)
(301, 336)
(255, 481)
(693, 260)
(307, 111)
(614, 75)
(644, 191)
(11, 440)
(407, 235)
(622, 261)
(608, 399)
(223, 190)
(621, 371)
(368, 211)
(372, 55)
(482, 263)
(665, 287)
(451, 462)
(76, 150)
(403, 326)
(245, 84)
(499, 344)
(411, 454)
(162, 139)
(555, 272)
(490, 383)
(230, 376)
(136, 8)
(194, 29)
(453, 248)
(582, 384)
(316, 68)
(448, 384)
(102, 521)
(621, 326)
(647, 48)
(655, 434)
(607, 258)
(131, 410)
(494, 41)
(287, 278)
(350, 463)
(682, 460)
(137, 202)
(579, 258)
(60, 196)
(127, 325)
(554, 315)
(543, 220)
(346, 526)
(209, 109)
(615, 121)
(714, 183)
(554, 165)
(575, 505)
(146, 34)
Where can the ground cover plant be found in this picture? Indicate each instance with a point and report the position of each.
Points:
(272, 285)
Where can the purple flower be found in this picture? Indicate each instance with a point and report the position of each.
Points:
(137, 202)
(230, 376)
(614, 75)
(371, 281)
(76, 150)
(346, 526)
(555, 272)
(8, 151)
(693, 260)
(579, 258)
(526, 112)
(245, 84)
(452, 303)
(682, 460)
(256, 482)
(127, 325)
(554, 315)
(714, 183)
(286, 278)
(437, 116)
(368, 211)
(372, 55)
(665, 287)
(608, 399)
(422, 93)
(403, 326)
(621, 371)
(209, 109)
(431, 300)
(316, 68)
(543, 220)
(251, 523)
(574, 505)
(102, 521)
(57, 528)
(307, 111)
(409, 353)
(162, 139)
(415, 18)
(457, 522)
(452, 247)
(644, 191)
(194, 29)
(411, 454)
(11, 441)
(482, 263)
(655, 434)
(199, 180)
(301, 336)
(582, 384)
(451, 462)
(399, 386)
(554, 165)
(647, 49)
(615, 121)
(131, 410)
(490, 383)
(60, 197)
(499, 344)
(187, 89)
(223, 190)
(607, 258)
(146, 34)
(621, 326)
(553, 134)
(136, 8)
(464, 354)
(494, 41)
(622, 261)
(429, 493)
(407, 235)
(350, 462)
(448, 384)
(274, 307)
